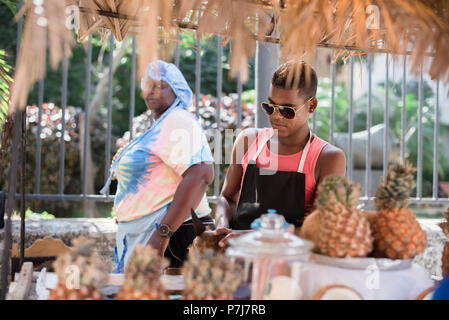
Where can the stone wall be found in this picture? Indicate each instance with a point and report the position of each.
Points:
(103, 231)
(430, 259)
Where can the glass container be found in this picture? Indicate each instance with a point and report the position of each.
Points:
(272, 257)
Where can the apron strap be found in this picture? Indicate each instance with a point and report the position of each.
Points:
(304, 154)
(259, 150)
(264, 141)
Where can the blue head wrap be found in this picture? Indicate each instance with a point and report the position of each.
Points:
(168, 72)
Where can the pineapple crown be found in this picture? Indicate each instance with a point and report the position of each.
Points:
(395, 190)
(209, 274)
(144, 268)
(83, 264)
(337, 190)
(147, 261)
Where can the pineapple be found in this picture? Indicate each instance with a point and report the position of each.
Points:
(209, 275)
(142, 276)
(445, 259)
(397, 233)
(371, 215)
(310, 229)
(81, 273)
(344, 231)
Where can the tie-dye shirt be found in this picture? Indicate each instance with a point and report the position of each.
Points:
(150, 171)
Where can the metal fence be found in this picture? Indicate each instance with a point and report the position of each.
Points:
(333, 70)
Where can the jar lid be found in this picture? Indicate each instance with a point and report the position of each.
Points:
(269, 241)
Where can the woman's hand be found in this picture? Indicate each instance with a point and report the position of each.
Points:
(159, 242)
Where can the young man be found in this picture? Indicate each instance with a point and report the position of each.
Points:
(298, 159)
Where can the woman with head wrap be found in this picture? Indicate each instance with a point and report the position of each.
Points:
(162, 173)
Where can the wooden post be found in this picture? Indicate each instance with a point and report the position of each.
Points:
(20, 289)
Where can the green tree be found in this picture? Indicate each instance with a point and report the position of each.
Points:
(341, 111)
(428, 123)
(209, 54)
(378, 102)
(5, 81)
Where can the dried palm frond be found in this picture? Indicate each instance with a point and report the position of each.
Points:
(236, 21)
(147, 41)
(121, 15)
(88, 23)
(303, 25)
(419, 28)
(44, 23)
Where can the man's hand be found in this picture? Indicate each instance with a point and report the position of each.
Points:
(219, 232)
(159, 242)
(228, 234)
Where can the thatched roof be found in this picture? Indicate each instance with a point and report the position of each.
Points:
(419, 28)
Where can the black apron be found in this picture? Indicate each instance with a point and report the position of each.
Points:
(180, 241)
(281, 190)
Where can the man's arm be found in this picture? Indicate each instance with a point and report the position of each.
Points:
(188, 195)
(332, 161)
(227, 202)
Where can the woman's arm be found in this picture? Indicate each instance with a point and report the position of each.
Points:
(188, 195)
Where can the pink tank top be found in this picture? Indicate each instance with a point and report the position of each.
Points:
(268, 159)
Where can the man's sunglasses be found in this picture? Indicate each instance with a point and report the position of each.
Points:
(285, 111)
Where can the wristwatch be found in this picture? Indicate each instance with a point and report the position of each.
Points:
(164, 230)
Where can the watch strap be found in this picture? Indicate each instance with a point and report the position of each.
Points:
(169, 234)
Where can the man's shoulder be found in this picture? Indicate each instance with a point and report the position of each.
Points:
(331, 152)
(332, 160)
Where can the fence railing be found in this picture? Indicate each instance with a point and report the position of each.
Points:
(37, 195)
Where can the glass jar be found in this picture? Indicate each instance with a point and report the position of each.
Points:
(271, 255)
